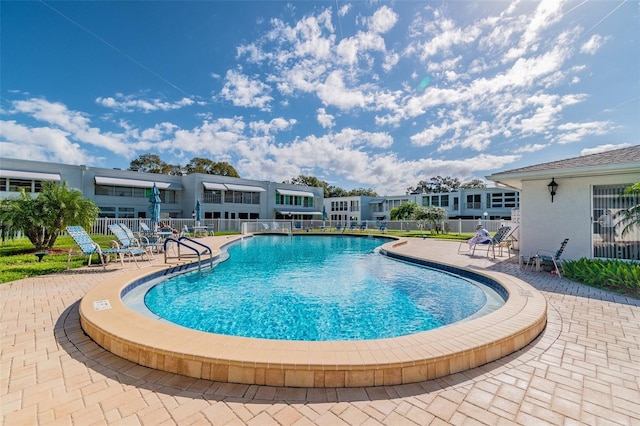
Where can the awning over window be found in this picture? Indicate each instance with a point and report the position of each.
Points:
(287, 211)
(376, 201)
(214, 186)
(244, 188)
(102, 180)
(29, 175)
(295, 193)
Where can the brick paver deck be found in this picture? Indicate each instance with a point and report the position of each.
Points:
(583, 369)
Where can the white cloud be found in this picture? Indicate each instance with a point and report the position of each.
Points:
(575, 132)
(245, 92)
(74, 123)
(129, 103)
(383, 20)
(593, 44)
(343, 10)
(275, 125)
(333, 92)
(326, 120)
(603, 148)
(531, 148)
(40, 144)
(547, 13)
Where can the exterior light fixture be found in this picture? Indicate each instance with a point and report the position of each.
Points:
(553, 187)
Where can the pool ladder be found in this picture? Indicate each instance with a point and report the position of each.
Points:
(182, 242)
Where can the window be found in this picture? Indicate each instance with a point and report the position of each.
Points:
(609, 222)
(15, 185)
(212, 196)
(117, 212)
(501, 200)
(166, 195)
(241, 197)
(474, 202)
(107, 212)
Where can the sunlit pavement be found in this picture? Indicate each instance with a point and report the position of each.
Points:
(583, 369)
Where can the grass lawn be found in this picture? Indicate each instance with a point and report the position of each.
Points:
(17, 258)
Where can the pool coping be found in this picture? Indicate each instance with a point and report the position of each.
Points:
(381, 362)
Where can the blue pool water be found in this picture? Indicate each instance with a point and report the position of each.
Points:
(315, 288)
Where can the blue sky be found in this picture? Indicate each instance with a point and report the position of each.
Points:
(368, 94)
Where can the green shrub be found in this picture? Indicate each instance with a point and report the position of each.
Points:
(617, 275)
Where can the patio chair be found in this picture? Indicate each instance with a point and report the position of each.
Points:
(150, 241)
(145, 228)
(498, 240)
(186, 232)
(547, 259)
(89, 247)
(265, 226)
(383, 227)
(363, 226)
(131, 246)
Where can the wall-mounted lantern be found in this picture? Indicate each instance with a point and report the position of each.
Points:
(553, 187)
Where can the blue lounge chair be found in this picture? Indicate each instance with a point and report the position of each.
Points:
(150, 241)
(132, 246)
(89, 247)
(383, 227)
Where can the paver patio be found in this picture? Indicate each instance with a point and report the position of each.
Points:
(583, 369)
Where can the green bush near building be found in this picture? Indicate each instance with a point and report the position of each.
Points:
(616, 275)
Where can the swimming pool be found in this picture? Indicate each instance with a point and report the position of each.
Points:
(357, 363)
(317, 288)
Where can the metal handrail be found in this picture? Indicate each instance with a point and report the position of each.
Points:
(206, 248)
(180, 243)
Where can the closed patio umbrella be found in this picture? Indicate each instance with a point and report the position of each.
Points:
(154, 206)
(198, 216)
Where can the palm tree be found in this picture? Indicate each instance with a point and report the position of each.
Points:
(631, 216)
(44, 217)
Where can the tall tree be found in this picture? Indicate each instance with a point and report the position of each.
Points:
(309, 181)
(43, 217)
(151, 163)
(435, 184)
(362, 191)
(210, 167)
(334, 191)
(475, 183)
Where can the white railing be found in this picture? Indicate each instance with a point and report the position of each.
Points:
(452, 226)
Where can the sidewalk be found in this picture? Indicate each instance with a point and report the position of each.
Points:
(583, 369)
